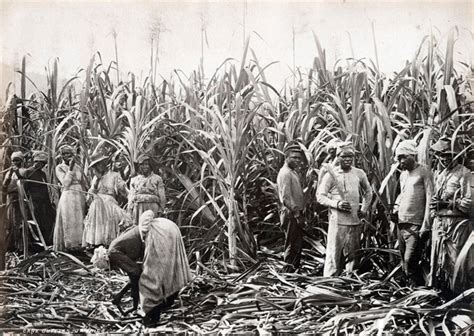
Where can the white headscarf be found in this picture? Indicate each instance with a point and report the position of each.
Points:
(406, 147)
(345, 147)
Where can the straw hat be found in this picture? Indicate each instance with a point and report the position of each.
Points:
(443, 145)
(17, 155)
(67, 149)
(96, 158)
(40, 156)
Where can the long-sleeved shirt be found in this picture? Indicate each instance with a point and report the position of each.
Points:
(413, 202)
(347, 186)
(110, 183)
(147, 189)
(129, 243)
(69, 178)
(289, 189)
(454, 185)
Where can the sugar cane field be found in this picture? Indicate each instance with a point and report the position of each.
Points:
(217, 143)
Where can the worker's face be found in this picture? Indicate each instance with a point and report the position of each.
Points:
(118, 165)
(145, 167)
(67, 157)
(294, 160)
(446, 159)
(407, 162)
(332, 153)
(346, 160)
(101, 167)
(17, 162)
(39, 164)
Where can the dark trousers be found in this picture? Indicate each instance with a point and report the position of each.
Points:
(293, 239)
(120, 260)
(154, 314)
(410, 249)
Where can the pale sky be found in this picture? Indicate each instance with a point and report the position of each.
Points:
(74, 30)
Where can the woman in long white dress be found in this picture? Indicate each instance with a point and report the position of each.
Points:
(105, 217)
(71, 206)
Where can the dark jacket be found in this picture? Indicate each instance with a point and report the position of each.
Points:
(130, 245)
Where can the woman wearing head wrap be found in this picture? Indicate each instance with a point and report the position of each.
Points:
(71, 206)
(14, 218)
(147, 191)
(105, 216)
(36, 189)
(412, 208)
(341, 190)
(450, 208)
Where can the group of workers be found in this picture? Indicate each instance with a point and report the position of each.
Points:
(149, 248)
(140, 241)
(431, 208)
(69, 227)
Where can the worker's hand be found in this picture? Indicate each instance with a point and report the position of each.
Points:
(72, 163)
(344, 206)
(361, 214)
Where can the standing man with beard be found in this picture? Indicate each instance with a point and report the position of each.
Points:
(291, 206)
(412, 208)
(341, 190)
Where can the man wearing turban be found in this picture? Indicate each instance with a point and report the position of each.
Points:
(412, 208)
(340, 190)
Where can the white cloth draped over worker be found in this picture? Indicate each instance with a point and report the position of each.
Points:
(165, 264)
(71, 209)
